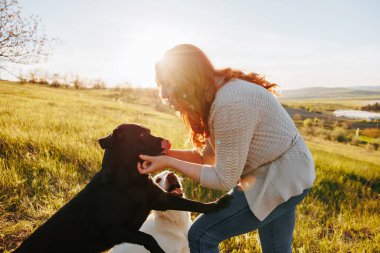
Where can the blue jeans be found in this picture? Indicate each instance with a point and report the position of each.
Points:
(275, 231)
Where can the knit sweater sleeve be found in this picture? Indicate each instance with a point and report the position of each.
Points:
(233, 126)
(208, 155)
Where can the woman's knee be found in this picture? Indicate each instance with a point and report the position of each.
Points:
(196, 233)
(201, 238)
(193, 234)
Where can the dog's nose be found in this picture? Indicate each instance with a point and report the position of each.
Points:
(170, 174)
(165, 144)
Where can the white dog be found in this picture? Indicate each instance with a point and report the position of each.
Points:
(169, 228)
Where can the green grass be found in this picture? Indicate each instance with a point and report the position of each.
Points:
(49, 151)
(369, 139)
(346, 151)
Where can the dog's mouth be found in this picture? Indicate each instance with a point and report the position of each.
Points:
(175, 189)
(165, 145)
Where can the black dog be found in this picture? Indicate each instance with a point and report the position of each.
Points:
(113, 206)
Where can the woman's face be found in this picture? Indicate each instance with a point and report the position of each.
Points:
(167, 94)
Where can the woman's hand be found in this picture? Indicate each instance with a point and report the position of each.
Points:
(157, 163)
(152, 163)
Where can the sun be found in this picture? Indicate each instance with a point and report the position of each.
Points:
(144, 48)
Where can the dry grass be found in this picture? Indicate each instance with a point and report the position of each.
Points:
(49, 151)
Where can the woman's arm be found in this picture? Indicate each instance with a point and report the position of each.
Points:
(156, 163)
(192, 155)
(189, 169)
(188, 162)
(234, 126)
(206, 156)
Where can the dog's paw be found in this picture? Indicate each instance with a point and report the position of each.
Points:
(223, 202)
(157, 251)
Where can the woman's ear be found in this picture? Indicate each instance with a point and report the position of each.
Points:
(106, 142)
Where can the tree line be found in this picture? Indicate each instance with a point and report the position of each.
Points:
(373, 108)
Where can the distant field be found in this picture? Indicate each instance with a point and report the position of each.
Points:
(330, 104)
(49, 151)
(346, 151)
(324, 109)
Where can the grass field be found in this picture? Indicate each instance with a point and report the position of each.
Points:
(330, 105)
(49, 151)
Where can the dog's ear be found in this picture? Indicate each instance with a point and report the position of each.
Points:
(118, 133)
(109, 140)
(106, 142)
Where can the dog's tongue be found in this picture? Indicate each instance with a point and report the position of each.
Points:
(165, 144)
(177, 191)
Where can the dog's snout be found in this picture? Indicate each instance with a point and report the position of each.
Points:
(172, 179)
(166, 145)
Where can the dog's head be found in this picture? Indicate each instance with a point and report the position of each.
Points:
(128, 141)
(169, 182)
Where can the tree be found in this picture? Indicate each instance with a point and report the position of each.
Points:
(21, 41)
(375, 107)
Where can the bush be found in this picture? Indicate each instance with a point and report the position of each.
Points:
(126, 93)
(371, 132)
(307, 123)
(339, 134)
(297, 117)
(98, 84)
(55, 81)
(321, 132)
(375, 107)
(355, 140)
(319, 122)
(79, 83)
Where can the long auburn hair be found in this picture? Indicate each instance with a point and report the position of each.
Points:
(192, 81)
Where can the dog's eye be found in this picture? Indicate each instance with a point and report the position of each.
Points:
(143, 135)
(158, 180)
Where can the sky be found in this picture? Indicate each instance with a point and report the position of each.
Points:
(295, 44)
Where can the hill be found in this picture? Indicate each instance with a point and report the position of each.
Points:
(367, 88)
(329, 93)
(49, 151)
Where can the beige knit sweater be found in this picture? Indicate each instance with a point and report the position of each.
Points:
(253, 139)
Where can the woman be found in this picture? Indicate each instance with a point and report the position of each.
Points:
(249, 145)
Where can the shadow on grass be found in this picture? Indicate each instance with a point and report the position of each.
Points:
(341, 189)
(373, 184)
